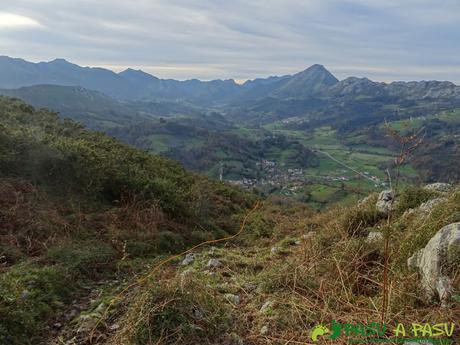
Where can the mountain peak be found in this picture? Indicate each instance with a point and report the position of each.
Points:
(317, 66)
(59, 61)
(317, 69)
(308, 82)
(136, 75)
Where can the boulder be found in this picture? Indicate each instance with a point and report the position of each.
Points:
(442, 251)
(385, 201)
(428, 206)
(439, 187)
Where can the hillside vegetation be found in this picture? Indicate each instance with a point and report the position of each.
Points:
(296, 122)
(89, 229)
(289, 270)
(77, 207)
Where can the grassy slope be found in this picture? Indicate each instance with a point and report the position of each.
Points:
(321, 270)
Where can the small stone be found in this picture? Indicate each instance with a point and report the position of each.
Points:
(308, 235)
(266, 307)
(275, 250)
(214, 263)
(224, 287)
(25, 294)
(187, 272)
(297, 243)
(189, 258)
(374, 237)
(57, 325)
(264, 330)
(196, 327)
(100, 308)
(234, 299)
(250, 287)
(197, 314)
(114, 327)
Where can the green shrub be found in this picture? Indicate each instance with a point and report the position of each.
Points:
(139, 249)
(259, 226)
(412, 197)
(169, 242)
(29, 295)
(357, 220)
(87, 258)
(199, 236)
(418, 232)
(10, 254)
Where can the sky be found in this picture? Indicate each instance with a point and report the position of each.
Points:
(383, 40)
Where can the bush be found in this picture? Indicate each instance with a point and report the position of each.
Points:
(357, 220)
(86, 258)
(169, 242)
(420, 230)
(29, 295)
(412, 197)
(139, 249)
(259, 226)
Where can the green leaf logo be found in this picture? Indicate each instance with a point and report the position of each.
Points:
(319, 331)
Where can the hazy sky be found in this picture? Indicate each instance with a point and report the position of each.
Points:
(240, 39)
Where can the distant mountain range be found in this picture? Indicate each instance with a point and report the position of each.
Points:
(135, 85)
(205, 123)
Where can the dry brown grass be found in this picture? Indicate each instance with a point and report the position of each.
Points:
(331, 275)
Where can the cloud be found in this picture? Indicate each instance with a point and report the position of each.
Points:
(411, 39)
(11, 20)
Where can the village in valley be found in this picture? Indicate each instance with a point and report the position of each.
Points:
(291, 181)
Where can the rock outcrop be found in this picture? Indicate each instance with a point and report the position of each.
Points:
(433, 262)
(439, 187)
(385, 201)
(428, 206)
